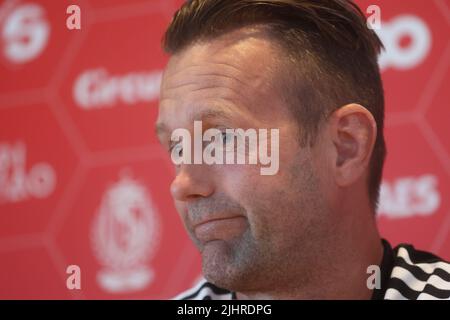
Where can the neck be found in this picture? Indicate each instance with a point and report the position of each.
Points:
(339, 271)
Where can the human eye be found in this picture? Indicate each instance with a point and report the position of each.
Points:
(227, 137)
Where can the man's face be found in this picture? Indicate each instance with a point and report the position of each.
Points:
(250, 228)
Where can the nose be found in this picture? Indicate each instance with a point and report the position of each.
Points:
(192, 182)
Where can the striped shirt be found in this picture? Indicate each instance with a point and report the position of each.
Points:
(406, 274)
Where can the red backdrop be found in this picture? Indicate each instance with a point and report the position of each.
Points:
(83, 181)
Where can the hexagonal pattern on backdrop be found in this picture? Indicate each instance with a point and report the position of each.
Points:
(84, 182)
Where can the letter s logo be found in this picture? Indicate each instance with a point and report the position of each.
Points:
(25, 22)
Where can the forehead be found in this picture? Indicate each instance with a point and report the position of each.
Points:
(237, 71)
(237, 48)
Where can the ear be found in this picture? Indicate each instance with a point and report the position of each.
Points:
(353, 132)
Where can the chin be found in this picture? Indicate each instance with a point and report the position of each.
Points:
(217, 263)
(220, 267)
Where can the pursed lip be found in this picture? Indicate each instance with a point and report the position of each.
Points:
(220, 227)
(216, 218)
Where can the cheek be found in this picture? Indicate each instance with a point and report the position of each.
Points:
(238, 181)
(182, 212)
(279, 207)
(261, 196)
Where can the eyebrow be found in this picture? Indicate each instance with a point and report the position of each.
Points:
(208, 114)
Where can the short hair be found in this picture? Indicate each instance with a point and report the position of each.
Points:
(332, 53)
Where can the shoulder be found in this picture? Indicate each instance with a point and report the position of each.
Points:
(418, 275)
(204, 290)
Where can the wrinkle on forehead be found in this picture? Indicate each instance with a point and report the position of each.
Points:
(208, 87)
(205, 67)
(215, 76)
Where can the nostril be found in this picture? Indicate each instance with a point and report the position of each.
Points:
(186, 187)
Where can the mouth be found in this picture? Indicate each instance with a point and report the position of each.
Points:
(224, 228)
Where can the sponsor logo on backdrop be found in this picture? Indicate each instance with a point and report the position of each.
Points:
(24, 33)
(97, 89)
(125, 236)
(410, 196)
(17, 183)
(404, 57)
